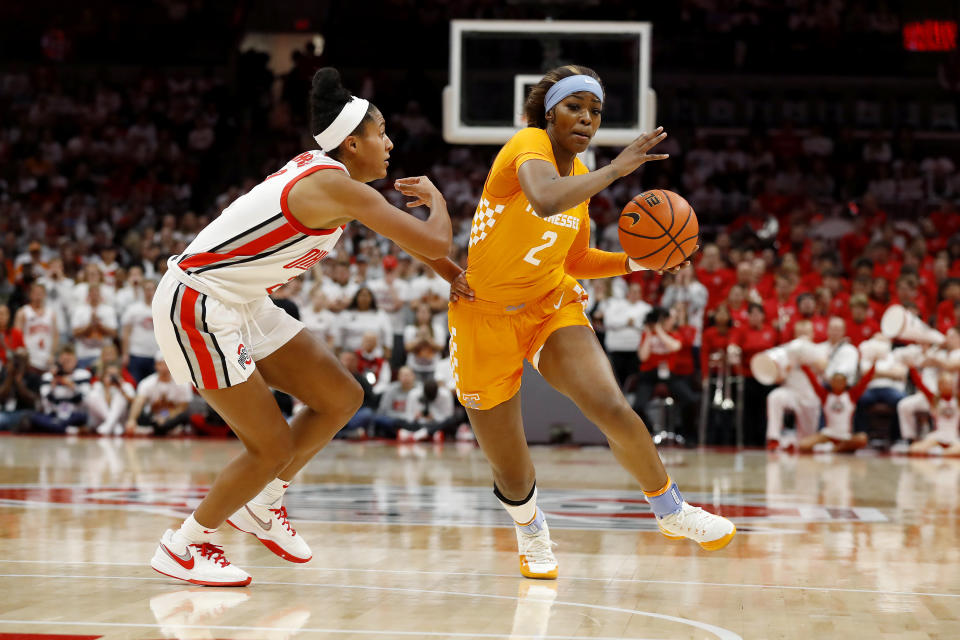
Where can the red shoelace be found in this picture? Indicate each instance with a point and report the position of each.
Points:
(214, 552)
(282, 514)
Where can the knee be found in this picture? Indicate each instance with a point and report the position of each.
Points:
(351, 398)
(278, 452)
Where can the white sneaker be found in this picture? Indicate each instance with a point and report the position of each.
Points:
(465, 434)
(536, 554)
(202, 564)
(711, 531)
(272, 528)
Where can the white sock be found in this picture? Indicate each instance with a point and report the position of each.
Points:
(272, 494)
(194, 532)
(523, 513)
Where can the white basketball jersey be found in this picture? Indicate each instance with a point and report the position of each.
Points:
(38, 335)
(256, 245)
(838, 415)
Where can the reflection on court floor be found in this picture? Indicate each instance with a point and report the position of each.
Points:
(409, 542)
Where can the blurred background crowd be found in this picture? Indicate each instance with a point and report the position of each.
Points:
(823, 198)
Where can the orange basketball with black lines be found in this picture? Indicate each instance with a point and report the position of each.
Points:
(658, 229)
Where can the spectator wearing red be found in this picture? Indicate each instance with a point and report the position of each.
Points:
(782, 308)
(946, 316)
(908, 292)
(914, 262)
(755, 335)
(682, 363)
(839, 294)
(798, 244)
(747, 279)
(763, 277)
(659, 346)
(11, 338)
(880, 295)
(737, 304)
(946, 219)
(885, 265)
(860, 326)
(862, 286)
(813, 280)
(806, 310)
(713, 273)
(716, 338)
(372, 362)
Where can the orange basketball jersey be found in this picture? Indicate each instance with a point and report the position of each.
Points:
(514, 254)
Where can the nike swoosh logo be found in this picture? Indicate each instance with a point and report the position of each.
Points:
(557, 306)
(264, 524)
(185, 561)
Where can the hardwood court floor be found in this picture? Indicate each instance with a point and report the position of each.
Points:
(409, 543)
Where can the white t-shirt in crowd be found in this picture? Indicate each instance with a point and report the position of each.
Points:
(338, 293)
(429, 283)
(161, 396)
(623, 321)
(354, 324)
(440, 409)
(139, 317)
(387, 294)
(82, 316)
(322, 323)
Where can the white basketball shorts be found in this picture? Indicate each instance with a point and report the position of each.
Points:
(216, 344)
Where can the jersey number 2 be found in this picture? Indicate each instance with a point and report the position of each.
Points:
(550, 237)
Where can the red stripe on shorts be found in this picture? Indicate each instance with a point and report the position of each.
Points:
(188, 320)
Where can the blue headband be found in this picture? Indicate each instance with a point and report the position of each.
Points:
(571, 84)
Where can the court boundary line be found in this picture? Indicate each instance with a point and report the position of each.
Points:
(361, 632)
(686, 583)
(719, 632)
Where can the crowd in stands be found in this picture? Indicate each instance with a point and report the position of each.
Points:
(812, 231)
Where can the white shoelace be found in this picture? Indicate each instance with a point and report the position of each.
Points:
(691, 519)
(538, 548)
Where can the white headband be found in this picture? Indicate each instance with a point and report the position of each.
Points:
(345, 122)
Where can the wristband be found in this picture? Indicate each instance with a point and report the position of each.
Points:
(635, 266)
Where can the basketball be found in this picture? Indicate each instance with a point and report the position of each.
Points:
(658, 229)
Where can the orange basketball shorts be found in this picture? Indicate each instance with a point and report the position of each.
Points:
(489, 341)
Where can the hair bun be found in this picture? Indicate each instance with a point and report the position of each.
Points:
(326, 80)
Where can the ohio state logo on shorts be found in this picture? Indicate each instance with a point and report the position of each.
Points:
(243, 357)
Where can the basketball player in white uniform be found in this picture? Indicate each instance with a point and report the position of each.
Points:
(217, 327)
(37, 322)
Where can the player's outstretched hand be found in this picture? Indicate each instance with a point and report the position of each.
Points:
(460, 289)
(421, 189)
(636, 153)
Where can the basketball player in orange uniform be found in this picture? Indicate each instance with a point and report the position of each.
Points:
(528, 245)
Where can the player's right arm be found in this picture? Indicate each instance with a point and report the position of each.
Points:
(550, 194)
(327, 198)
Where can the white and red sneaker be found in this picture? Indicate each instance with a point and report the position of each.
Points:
(202, 564)
(273, 529)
